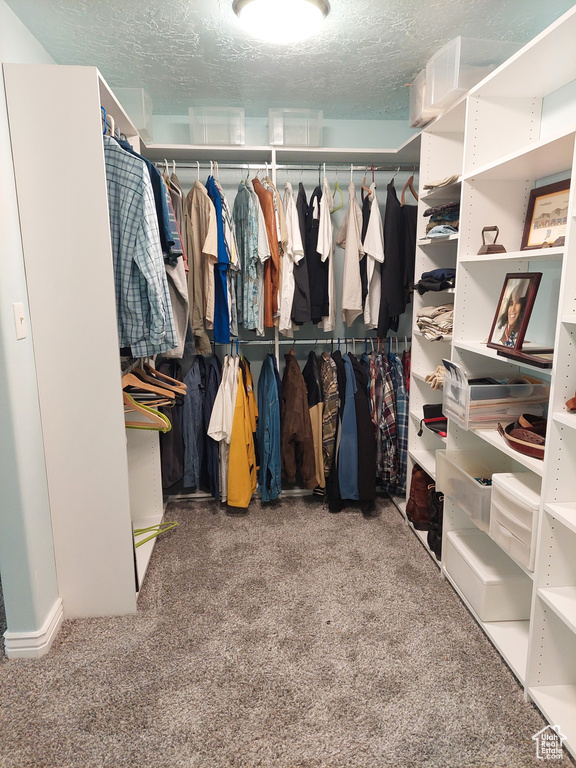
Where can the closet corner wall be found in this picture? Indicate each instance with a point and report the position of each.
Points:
(63, 209)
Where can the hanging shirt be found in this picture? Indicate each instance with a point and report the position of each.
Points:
(326, 251)
(293, 254)
(246, 223)
(301, 303)
(271, 277)
(201, 237)
(317, 266)
(211, 470)
(296, 429)
(330, 410)
(313, 380)
(348, 450)
(392, 294)
(144, 310)
(193, 422)
(263, 256)
(373, 245)
(221, 311)
(349, 238)
(268, 432)
(242, 462)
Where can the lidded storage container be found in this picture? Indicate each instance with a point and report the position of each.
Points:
(295, 127)
(216, 125)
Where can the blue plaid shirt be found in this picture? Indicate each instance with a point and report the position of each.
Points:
(145, 321)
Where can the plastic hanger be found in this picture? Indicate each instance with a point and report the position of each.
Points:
(153, 418)
(335, 192)
(153, 530)
(409, 185)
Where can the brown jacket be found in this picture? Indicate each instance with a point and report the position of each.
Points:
(296, 429)
(272, 265)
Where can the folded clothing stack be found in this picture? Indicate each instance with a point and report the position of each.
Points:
(436, 322)
(442, 182)
(436, 280)
(444, 219)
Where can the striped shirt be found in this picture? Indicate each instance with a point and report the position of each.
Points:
(145, 321)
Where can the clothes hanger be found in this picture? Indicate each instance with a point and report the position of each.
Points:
(156, 374)
(153, 530)
(131, 380)
(364, 188)
(409, 185)
(198, 166)
(154, 419)
(161, 380)
(335, 192)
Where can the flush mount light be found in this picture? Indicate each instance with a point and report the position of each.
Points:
(281, 21)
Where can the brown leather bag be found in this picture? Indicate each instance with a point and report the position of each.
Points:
(417, 506)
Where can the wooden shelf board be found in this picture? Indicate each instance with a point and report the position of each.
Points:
(540, 254)
(492, 437)
(541, 158)
(562, 600)
(563, 512)
(509, 637)
(558, 705)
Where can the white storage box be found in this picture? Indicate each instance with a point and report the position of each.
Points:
(295, 127)
(420, 115)
(515, 504)
(456, 478)
(482, 406)
(496, 588)
(460, 65)
(138, 106)
(216, 125)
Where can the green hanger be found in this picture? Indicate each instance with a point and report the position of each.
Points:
(337, 189)
(154, 530)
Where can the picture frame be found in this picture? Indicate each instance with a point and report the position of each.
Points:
(513, 310)
(546, 216)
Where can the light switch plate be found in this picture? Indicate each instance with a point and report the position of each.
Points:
(20, 321)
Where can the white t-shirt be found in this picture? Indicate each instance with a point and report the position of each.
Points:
(374, 249)
(349, 238)
(293, 253)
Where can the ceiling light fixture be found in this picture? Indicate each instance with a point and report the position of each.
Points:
(281, 21)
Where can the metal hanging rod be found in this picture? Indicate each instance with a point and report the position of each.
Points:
(294, 166)
(328, 340)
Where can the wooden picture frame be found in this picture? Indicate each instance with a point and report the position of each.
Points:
(546, 216)
(513, 310)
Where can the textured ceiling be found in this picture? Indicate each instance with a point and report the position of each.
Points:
(193, 52)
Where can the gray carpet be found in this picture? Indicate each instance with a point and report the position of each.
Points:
(287, 638)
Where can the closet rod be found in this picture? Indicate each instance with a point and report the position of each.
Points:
(297, 166)
(328, 340)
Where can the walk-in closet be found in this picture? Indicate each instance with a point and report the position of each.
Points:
(288, 384)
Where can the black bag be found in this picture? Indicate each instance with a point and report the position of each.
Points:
(435, 515)
(433, 419)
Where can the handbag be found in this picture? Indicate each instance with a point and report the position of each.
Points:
(434, 419)
(417, 505)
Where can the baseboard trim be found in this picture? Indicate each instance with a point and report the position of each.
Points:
(32, 645)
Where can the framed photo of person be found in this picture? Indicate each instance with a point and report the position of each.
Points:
(546, 217)
(513, 310)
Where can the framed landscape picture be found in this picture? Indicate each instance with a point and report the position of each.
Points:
(546, 217)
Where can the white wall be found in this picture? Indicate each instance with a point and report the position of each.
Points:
(26, 545)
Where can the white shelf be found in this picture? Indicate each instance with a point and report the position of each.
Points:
(562, 600)
(543, 158)
(449, 192)
(421, 376)
(558, 705)
(539, 254)
(565, 418)
(417, 417)
(492, 437)
(563, 512)
(480, 348)
(205, 152)
(416, 332)
(569, 319)
(426, 460)
(427, 241)
(509, 637)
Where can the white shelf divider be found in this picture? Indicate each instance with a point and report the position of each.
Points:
(562, 600)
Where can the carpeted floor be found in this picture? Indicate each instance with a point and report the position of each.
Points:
(286, 638)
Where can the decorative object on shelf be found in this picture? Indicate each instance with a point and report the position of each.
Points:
(493, 247)
(527, 435)
(514, 309)
(546, 217)
(571, 404)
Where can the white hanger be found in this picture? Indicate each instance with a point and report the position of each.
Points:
(174, 167)
(351, 172)
(198, 164)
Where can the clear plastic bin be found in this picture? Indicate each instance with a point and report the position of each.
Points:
(482, 406)
(420, 115)
(460, 65)
(514, 509)
(496, 588)
(295, 127)
(138, 106)
(456, 473)
(216, 125)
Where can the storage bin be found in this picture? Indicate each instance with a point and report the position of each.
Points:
(515, 504)
(461, 64)
(456, 473)
(216, 125)
(420, 115)
(295, 127)
(496, 588)
(482, 406)
(138, 106)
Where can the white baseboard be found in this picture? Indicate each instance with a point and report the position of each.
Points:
(32, 645)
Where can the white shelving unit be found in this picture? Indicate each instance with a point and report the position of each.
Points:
(515, 140)
(102, 478)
